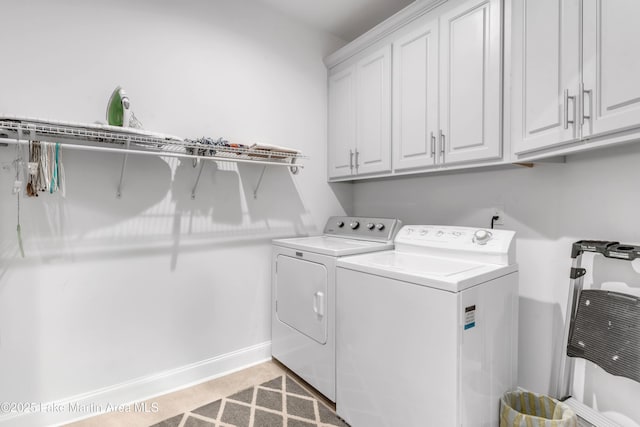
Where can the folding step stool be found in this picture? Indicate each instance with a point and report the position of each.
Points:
(602, 327)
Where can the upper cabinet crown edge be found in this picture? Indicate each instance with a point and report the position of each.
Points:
(390, 25)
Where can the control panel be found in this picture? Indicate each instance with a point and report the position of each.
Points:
(375, 229)
(432, 238)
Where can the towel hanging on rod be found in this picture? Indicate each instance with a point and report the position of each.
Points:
(46, 171)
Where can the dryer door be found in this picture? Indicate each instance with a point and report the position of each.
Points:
(301, 296)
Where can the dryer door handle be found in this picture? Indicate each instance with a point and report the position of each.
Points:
(318, 303)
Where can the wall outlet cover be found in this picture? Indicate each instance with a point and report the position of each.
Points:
(498, 211)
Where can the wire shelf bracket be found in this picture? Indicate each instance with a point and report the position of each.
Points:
(124, 165)
(255, 191)
(195, 186)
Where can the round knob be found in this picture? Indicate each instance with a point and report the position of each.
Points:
(423, 232)
(354, 224)
(380, 227)
(340, 224)
(481, 237)
(370, 226)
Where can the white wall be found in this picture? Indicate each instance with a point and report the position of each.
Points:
(114, 290)
(595, 195)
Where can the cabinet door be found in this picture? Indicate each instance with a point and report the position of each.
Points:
(342, 123)
(611, 65)
(415, 98)
(546, 73)
(471, 80)
(373, 108)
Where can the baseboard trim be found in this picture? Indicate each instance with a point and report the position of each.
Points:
(99, 401)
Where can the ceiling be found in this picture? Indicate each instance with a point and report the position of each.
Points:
(346, 19)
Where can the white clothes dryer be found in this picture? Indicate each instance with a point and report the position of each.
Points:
(303, 293)
(427, 333)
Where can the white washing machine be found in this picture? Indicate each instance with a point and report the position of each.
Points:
(303, 293)
(427, 333)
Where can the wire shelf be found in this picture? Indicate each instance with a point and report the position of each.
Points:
(116, 139)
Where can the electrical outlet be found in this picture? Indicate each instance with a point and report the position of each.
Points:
(498, 211)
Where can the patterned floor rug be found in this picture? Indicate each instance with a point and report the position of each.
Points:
(280, 402)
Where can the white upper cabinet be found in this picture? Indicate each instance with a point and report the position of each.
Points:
(546, 65)
(425, 91)
(373, 107)
(342, 123)
(471, 81)
(360, 117)
(611, 46)
(575, 71)
(415, 98)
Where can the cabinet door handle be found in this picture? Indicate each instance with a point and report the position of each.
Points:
(566, 109)
(590, 93)
(442, 140)
(357, 160)
(433, 145)
(351, 160)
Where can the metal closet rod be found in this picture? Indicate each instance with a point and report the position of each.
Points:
(160, 154)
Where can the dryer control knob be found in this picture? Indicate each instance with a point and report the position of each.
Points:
(354, 224)
(380, 226)
(340, 224)
(481, 237)
(371, 226)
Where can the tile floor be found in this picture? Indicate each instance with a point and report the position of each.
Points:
(176, 403)
(205, 400)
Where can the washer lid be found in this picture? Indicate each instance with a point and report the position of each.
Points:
(448, 274)
(332, 246)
